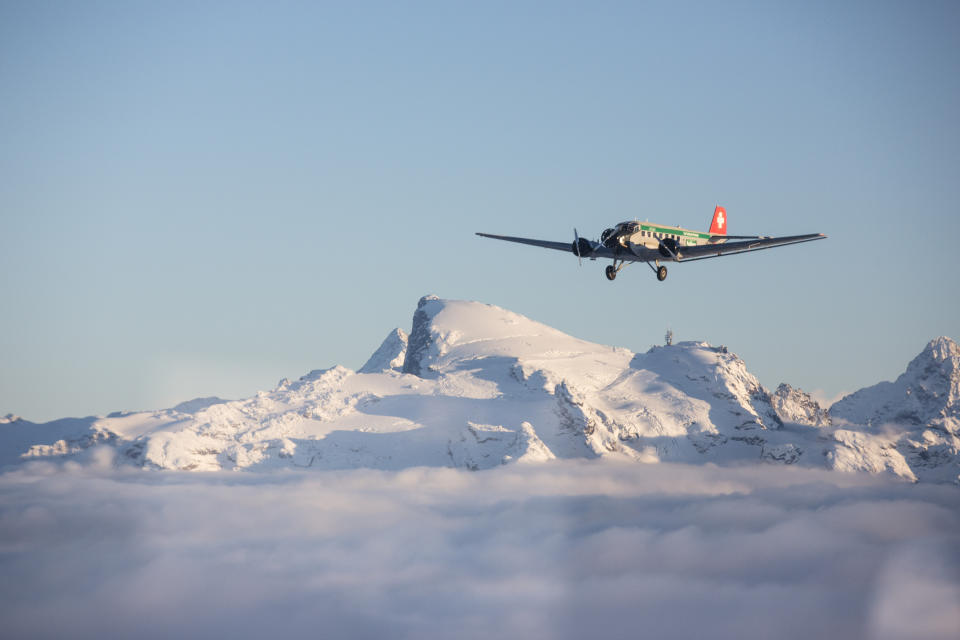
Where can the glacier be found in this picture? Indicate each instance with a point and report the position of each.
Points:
(475, 386)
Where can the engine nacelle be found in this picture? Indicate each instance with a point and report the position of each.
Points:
(581, 247)
(669, 247)
(608, 238)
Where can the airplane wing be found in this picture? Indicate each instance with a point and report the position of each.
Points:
(590, 249)
(638, 253)
(547, 244)
(703, 252)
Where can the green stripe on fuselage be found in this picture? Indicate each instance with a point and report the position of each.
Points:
(678, 231)
(688, 235)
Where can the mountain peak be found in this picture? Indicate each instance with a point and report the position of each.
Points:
(941, 349)
(390, 355)
(419, 340)
(937, 365)
(445, 331)
(928, 391)
(425, 299)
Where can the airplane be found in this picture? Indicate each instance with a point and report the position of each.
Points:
(635, 241)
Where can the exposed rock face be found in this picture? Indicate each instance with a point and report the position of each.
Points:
(421, 341)
(390, 356)
(798, 407)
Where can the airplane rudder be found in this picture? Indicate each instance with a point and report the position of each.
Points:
(718, 226)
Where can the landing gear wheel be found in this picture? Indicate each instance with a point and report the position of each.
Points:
(661, 273)
(611, 272)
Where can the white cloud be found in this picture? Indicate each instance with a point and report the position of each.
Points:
(554, 550)
(918, 595)
(826, 400)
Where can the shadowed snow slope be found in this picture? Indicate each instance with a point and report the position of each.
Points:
(480, 386)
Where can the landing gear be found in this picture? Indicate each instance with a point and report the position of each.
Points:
(612, 270)
(660, 270)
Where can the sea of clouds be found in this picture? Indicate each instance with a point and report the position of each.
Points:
(553, 550)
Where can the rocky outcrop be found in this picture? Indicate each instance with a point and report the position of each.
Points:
(798, 407)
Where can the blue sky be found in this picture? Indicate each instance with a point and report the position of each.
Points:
(201, 198)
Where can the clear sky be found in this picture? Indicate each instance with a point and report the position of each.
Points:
(201, 198)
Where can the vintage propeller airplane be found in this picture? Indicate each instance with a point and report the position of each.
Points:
(636, 241)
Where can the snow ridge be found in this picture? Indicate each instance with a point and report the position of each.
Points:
(917, 415)
(390, 355)
(927, 391)
(476, 386)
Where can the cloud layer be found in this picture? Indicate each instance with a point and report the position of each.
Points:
(560, 550)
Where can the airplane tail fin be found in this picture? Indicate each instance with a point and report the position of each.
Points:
(718, 226)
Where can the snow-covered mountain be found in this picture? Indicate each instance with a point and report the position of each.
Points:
(918, 413)
(476, 386)
(927, 392)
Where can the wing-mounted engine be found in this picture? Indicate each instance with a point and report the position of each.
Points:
(581, 247)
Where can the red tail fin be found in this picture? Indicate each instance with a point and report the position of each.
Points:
(718, 227)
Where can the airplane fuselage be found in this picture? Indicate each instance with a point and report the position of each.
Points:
(649, 235)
